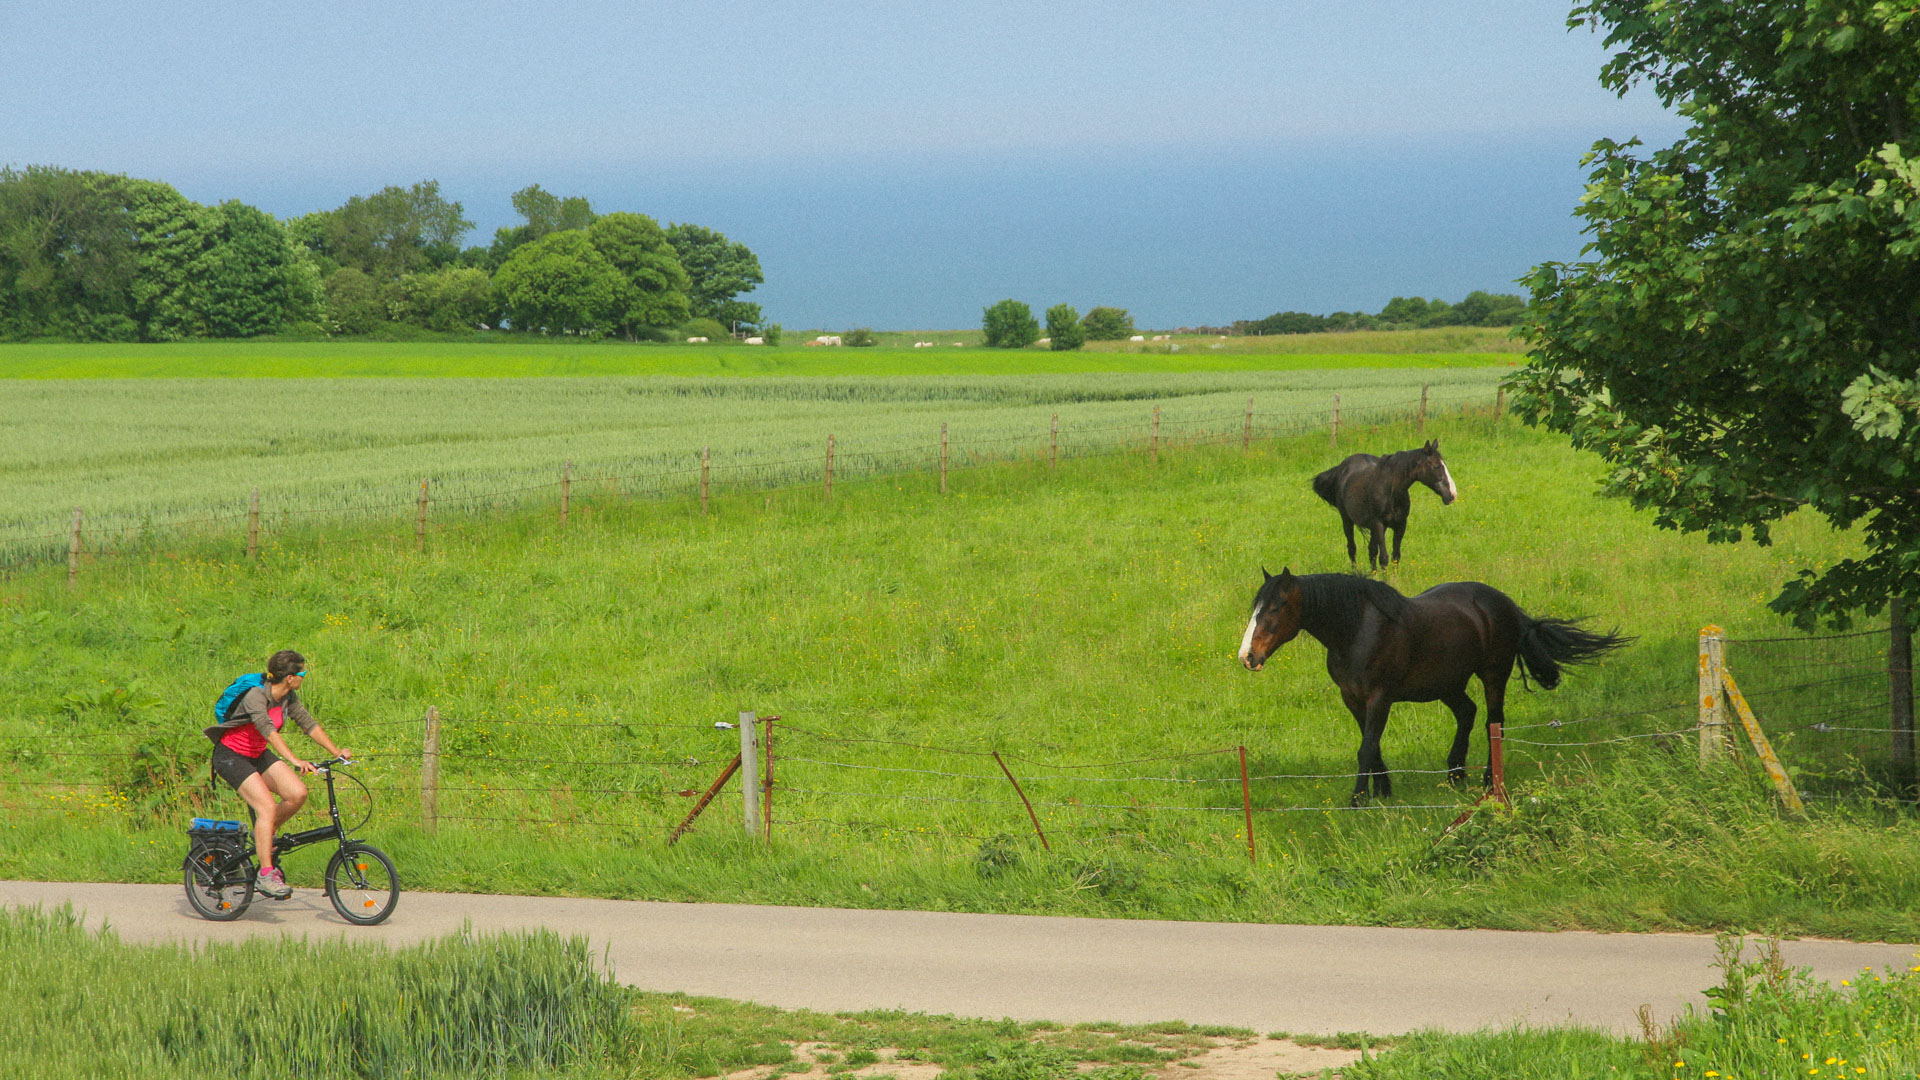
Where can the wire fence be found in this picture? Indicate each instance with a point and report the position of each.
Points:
(1827, 704)
(426, 512)
(641, 780)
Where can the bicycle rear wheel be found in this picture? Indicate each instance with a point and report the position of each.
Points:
(362, 884)
(218, 880)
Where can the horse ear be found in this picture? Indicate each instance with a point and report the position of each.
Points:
(1264, 574)
(1433, 445)
(1285, 573)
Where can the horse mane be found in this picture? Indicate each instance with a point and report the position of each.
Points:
(1404, 459)
(1335, 594)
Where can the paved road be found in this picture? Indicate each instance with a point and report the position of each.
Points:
(1318, 979)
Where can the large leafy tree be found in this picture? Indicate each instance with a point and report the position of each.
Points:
(1742, 337)
(1064, 329)
(656, 283)
(1108, 324)
(392, 232)
(1009, 324)
(561, 284)
(215, 271)
(718, 272)
(66, 254)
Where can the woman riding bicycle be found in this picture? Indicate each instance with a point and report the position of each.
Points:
(250, 754)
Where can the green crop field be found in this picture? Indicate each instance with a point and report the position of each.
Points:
(138, 455)
(1080, 620)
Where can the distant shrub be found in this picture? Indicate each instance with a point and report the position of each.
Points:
(706, 328)
(1108, 324)
(1064, 331)
(1010, 324)
(859, 337)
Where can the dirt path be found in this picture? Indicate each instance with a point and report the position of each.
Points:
(1312, 979)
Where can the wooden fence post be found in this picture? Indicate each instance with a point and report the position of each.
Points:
(1246, 432)
(1053, 448)
(829, 467)
(253, 525)
(1497, 762)
(749, 771)
(718, 783)
(430, 772)
(566, 491)
(1900, 685)
(1246, 803)
(73, 550)
(1714, 736)
(420, 521)
(1334, 439)
(1500, 403)
(1035, 818)
(1155, 440)
(706, 464)
(1761, 747)
(1422, 424)
(943, 457)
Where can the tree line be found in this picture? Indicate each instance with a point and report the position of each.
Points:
(94, 256)
(1401, 313)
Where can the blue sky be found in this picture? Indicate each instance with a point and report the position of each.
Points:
(894, 165)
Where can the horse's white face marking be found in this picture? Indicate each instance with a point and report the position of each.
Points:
(1246, 641)
(1447, 475)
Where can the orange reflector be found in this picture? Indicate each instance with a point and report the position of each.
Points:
(369, 903)
(360, 866)
(224, 905)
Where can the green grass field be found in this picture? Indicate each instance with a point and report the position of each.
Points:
(138, 455)
(1070, 617)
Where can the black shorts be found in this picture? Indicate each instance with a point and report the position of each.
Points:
(235, 769)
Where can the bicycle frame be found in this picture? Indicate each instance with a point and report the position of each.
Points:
(334, 831)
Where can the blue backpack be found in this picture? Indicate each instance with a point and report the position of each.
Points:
(223, 708)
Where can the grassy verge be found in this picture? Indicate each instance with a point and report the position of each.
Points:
(537, 1004)
(1764, 1020)
(1069, 617)
(88, 1005)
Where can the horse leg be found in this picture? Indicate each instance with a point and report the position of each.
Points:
(1353, 553)
(1358, 707)
(1399, 530)
(1377, 546)
(1496, 691)
(1463, 710)
(1373, 722)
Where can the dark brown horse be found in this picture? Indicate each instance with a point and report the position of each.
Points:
(1371, 492)
(1383, 647)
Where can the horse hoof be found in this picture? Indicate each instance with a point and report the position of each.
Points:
(1456, 776)
(1360, 798)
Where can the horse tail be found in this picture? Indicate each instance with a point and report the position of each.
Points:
(1546, 645)
(1327, 485)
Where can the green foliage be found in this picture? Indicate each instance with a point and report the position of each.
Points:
(706, 328)
(1108, 324)
(394, 231)
(353, 302)
(656, 285)
(1010, 324)
(718, 271)
(66, 254)
(1064, 330)
(1745, 280)
(544, 212)
(772, 333)
(860, 337)
(561, 283)
(449, 299)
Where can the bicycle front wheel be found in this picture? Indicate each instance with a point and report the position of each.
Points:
(362, 884)
(219, 882)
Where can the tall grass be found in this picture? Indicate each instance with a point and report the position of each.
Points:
(141, 455)
(1084, 615)
(1763, 1020)
(82, 1004)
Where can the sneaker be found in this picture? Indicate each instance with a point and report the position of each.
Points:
(272, 884)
